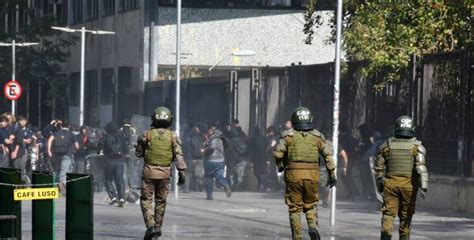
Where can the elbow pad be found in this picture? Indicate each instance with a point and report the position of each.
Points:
(423, 172)
(421, 167)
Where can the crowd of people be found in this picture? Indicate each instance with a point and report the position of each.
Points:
(62, 148)
(230, 156)
(218, 156)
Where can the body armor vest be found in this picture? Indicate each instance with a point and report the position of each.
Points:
(400, 157)
(303, 148)
(159, 150)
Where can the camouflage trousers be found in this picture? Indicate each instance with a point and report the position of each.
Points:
(301, 196)
(399, 201)
(160, 188)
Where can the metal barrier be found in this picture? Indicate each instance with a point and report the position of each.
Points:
(10, 210)
(79, 207)
(79, 204)
(43, 211)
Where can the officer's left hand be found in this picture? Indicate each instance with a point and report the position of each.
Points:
(181, 179)
(331, 182)
(423, 193)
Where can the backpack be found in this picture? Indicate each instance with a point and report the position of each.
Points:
(240, 146)
(62, 141)
(114, 146)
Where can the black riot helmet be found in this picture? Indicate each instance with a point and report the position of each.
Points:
(302, 119)
(404, 127)
(162, 118)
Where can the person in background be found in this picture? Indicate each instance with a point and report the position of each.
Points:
(257, 148)
(363, 162)
(4, 124)
(16, 147)
(52, 127)
(214, 162)
(80, 157)
(197, 168)
(115, 149)
(236, 125)
(271, 175)
(27, 136)
(61, 146)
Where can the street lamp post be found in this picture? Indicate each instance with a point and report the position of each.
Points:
(337, 81)
(14, 44)
(83, 31)
(178, 87)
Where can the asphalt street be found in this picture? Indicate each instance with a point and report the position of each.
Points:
(249, 215)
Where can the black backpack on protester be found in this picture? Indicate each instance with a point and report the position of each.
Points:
(62, 141)
(114, 146)
(240, 146)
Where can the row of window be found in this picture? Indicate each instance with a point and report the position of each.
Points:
(291, 4)
(105, 8)
(16, 17)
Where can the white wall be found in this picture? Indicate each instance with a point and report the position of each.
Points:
(212, 34)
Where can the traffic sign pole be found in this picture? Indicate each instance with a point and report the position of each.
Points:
(13, 73)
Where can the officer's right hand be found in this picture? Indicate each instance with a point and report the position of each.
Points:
(181, 179)
(380, 184)
(423, 193)
(331, 182)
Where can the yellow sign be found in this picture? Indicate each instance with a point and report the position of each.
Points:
(35, 194)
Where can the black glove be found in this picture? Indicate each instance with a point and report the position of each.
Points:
(380, 184)
(181, 179)
(423, 193)
(332, 182)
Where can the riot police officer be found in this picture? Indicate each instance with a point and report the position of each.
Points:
(400, 171)
(297, 153)
(159, 146)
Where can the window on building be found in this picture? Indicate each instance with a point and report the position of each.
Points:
(107, 86)
(92, 9)
(3, 22)
(61, 12)
(76, 11)
(283, 4)
(128, 5)
(74, 88)
(108, 7)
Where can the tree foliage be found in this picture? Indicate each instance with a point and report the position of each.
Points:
(387, 33)
(41, 63)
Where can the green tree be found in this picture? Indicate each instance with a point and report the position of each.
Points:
(387, 33)
(41, 63)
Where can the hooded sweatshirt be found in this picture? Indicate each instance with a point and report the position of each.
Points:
(216, 147)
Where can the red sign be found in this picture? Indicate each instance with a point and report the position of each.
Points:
(12, 90)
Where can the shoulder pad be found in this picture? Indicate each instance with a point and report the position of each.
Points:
(316, 133)
(384, 146)
(287, 133)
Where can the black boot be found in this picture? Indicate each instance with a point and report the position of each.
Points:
(150, 233)
(314, 234)
(385, 237)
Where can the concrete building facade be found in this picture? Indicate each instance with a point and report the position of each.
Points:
(143, 48)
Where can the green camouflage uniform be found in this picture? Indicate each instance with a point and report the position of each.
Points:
(399, 167)
(159, 147)
(298, 153)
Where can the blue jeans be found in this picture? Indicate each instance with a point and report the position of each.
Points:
(65, 166)
(214, 170)
(114, 173)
